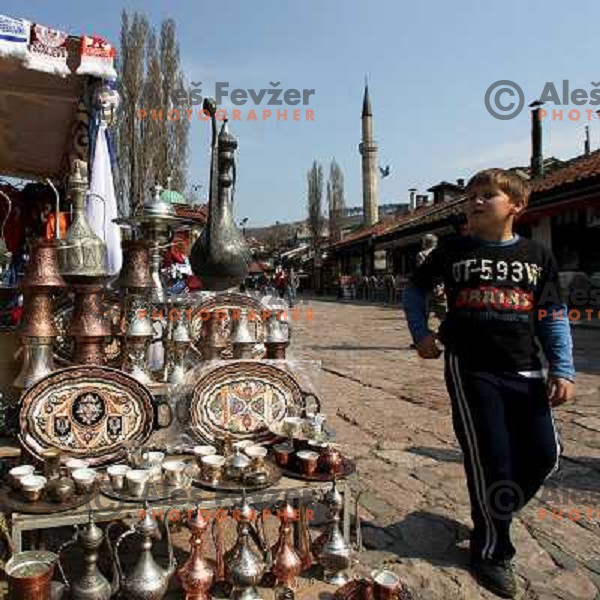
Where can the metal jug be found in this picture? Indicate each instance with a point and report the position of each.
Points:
(147, 580)
(91, 585)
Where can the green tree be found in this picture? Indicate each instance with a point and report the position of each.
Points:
(315, 201)
(335, 200)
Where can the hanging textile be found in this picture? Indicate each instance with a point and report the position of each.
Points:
(14, 37)
(48, 51)
(101, 206)
(97, 58)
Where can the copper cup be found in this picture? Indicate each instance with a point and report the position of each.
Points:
(307, 461)
(283, 453)
(386, 584)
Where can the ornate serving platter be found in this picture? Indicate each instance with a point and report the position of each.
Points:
(89, 412)
(243, 399)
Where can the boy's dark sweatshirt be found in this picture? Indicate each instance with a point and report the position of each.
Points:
(501, 297)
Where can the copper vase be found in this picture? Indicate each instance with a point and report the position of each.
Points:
(196, 574)
(135, 273)
(89, 326)
(38, 314)
(42, 269)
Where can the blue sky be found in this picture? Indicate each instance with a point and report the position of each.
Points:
(429, 65)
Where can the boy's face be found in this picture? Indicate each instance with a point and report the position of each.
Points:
(490, 207)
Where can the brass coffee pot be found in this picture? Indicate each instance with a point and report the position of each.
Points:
(146, 581)
(91, 585)
(220, 256)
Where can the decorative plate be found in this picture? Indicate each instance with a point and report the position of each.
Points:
(89, 412)
(242, 399)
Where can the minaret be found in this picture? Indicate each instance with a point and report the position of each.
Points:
(368, 150)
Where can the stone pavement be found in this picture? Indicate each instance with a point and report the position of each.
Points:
(391, 413)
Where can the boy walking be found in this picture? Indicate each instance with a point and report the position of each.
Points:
(503, 298)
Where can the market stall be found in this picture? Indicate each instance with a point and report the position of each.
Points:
(132, 395)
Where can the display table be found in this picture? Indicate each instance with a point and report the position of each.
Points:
(105, 509)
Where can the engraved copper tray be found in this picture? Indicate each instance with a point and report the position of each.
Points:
(15, 502)
(242, 399)
(347, 468)
(226, 485)
(88, 412)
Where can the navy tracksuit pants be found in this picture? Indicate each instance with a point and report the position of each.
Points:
(503, 423)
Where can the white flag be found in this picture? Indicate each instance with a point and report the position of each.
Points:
(101, 211)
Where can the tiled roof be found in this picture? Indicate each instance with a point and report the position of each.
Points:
(196, 213)
(578, 169)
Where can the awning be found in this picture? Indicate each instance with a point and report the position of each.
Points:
(37, 113)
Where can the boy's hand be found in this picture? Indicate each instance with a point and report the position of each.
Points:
(427, 348)
(560, 390)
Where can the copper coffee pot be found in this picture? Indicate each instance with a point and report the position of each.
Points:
(286, 562)
(196, 574)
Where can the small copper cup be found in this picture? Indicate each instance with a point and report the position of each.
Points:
(307, 462)
(283, 453)
(386, 584)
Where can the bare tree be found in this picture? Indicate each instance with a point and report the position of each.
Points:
(176, 130)
(151, 146)
(335, 200)
(131, 67)
(315, 201)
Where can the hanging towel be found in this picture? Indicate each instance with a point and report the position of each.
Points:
(48, 51)
(14, 37)
(100, 214)
(97, 58)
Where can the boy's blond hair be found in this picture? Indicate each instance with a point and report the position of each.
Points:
(517, 188)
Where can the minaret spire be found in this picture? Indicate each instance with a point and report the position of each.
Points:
(366, 111)
(368, 150)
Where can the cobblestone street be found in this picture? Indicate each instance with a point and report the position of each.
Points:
(391, 413)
